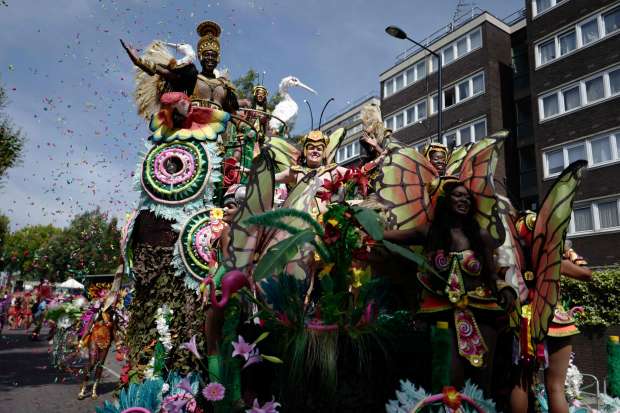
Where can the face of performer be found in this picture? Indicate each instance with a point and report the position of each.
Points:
(460, 200)
(438, 159)
(209, 60)
(314, 154)
(260, 96)
(230, 209)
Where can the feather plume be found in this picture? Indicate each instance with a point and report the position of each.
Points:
(150, 88)
(371, 119)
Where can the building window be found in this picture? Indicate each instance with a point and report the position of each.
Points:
(348, 152)
(589, 31)
(420, 70)
(578, 35)
(580, 94)
(572, 98)
(547, 51)
(555, 162)
(612, 21)
(464, 90)
(466, 133)
(598, 151)
(601, 150)
(568, 42)
(355, 129)
(410, 76)
(582, 218)
(550, 106)
(389, 123)
(449, 97)
(598, 216)
(576, 153)
(399, 82)
(388, 88)
(400, 121)
(614, 81)
(595, 89)
(541, 6)
(608, 214)
(421, 110)
(475, 40)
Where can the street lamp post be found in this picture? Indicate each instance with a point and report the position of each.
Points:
(400, 34)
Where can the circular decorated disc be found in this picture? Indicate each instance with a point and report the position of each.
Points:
(176, 172)
(198, 242)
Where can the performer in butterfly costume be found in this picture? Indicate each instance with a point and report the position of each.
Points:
(456, 219)
(535, 244)
(99, 333)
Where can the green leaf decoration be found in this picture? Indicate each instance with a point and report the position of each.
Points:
(275, 219)
(278, 256)
(272, 359)
(371, 222)
(419, 259)
(261, 337)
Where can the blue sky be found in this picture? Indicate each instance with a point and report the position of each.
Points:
(70, 84)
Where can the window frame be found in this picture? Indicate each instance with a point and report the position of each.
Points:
(607, 94)
(594, 206)
(554, 4)
(613, 137)
(575, 26)
(471, 125)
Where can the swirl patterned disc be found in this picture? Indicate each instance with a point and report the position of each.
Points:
(198, 243)
(176, 172)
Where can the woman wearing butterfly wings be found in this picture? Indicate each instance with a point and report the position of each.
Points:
(546, 327)
(455, 219)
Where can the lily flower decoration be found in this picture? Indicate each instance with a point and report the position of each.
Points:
(268, 407)
(191, 346)
(242, 348)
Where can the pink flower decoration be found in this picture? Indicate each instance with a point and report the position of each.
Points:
(268, 407)
(191, 346)
(214, 392)
(241, 348)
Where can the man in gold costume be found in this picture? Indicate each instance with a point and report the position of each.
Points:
(204, 88)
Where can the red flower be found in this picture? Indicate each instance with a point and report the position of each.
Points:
(334, 184)
(451, 397)
(332, 234)
(324, 196)
(232, 172)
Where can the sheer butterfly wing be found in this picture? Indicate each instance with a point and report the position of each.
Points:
(548, 244)
(476, 173)
(335, 140)
(303, 198)
(456, 159)
(284, 153)
(401, 188)
(245, 240)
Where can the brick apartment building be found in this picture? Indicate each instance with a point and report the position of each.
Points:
(574, 77)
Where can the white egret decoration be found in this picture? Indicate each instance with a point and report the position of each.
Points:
(287, 109)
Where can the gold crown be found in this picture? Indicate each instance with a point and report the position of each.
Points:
(259, 87)
(315, 136)
(209, 33)
(435, 147)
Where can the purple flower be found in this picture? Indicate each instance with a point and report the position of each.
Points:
(268, 407)
(253, 357)
(214, 392)
(185, 385)
(191, 346)
(241, 348)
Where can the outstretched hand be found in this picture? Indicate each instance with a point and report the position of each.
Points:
(133, 53)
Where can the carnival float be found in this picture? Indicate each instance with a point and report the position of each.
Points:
(268, 278)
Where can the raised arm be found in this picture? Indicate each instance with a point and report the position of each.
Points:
(146, 66)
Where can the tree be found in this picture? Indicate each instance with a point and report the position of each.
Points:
(22, 250)
(93, 242)
(11, 139)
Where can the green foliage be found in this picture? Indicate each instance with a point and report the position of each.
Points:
(371, 222)
(22, 250)
(278, 256)
(90, 244)
(600, 298)
(11, 139)
(5, 230)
